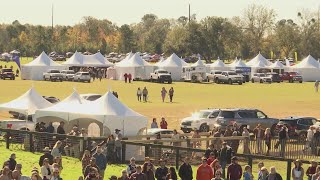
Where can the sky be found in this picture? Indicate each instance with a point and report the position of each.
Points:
(70, 12)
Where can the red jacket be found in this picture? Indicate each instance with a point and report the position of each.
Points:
(163, 125)
(204, 172)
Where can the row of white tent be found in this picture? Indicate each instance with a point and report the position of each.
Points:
(107, 112)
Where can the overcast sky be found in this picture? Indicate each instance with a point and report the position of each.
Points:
(70, 12)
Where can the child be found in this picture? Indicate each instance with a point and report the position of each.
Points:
(247, 175)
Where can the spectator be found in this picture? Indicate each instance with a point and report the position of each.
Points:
(297, 172)
(145, 94)
(35, 174)
(228, 132)
(56, 174)
(101, 161)
(139, 175)
(118, 145)
(50, 128)
(211, 158)
(283, 136)
(147, 162)
(273, 174)
(163, 123)
(85, 160)
(235, 142)
(113, 178)
(93, 174)
(57, 166)
(247, 175)
(210, 150)
(218, 142)
(111, 149)
(139, 94)
(47, 155)
(246, 141)
(125, 77)
(46, 170)
(259, 135)
(56, 149)
(195, 135)
(175, 137)
(185, 170)
(154, 123)
(17, 173)
(172, 175)
(218, 176)
(124, 175)
(129, 77)
(60, 130)
(171, 92)
(163, 93)
(311, 169)
(148, 171)
(264, 174)
(215, 165)
(267, 137)
(234, 170)
(12, 162)
(58, 160)
(92, 164)
(260, 166)
(309, 139)
(204, 172)
(317, 174)
(5, 174)
(316, 86)
(132, 168)
(72, 147)
(225, 155)
(162, 171)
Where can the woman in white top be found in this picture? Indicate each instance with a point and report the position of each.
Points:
(297, 172)
(46, 170)
(56, 150)
(139, 94)
(175, 136)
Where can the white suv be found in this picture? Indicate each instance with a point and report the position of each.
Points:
(82, 77)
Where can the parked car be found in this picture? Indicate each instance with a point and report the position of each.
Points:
(275, 77)
(297, 126)
(53, 75)
(90, 97)
(67, 75)
(60, 58)
(261, 77)
(20, 123)
(209, 119)
(229, 77)
(52, 99)
(7, 73)
(213, 76)
(291, 77)
(161, 76)
(82, 77)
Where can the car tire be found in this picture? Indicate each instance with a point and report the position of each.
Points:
(261, 81)
(204, 128)
(208, 80)
(240, 83)
(51, 79)
(300, 81)
(186, 131)
(290, 81)
(252, 80)
(230, 81)
(217, 81)
(170, 82)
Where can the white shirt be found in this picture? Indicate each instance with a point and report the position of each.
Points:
(309, 135)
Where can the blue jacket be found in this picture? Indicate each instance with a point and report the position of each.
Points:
(101, 161)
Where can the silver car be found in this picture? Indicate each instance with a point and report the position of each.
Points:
(82, 77)
(67, 75)
(261, 77)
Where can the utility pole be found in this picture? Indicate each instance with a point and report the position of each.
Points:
(318, 19)
(52, 20)
(189, 12)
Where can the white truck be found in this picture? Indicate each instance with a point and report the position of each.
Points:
(53, 75)
(161, 76)
(229, 77)
(213, 75)
(21, 123)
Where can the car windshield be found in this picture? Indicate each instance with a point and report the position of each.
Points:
(218, 72)
(201, 114)
(262, 75)
(55, 71)
(85, 73)
(70, 72)
(294, 73)
(163, 72)
(232, 73)
(6, 70)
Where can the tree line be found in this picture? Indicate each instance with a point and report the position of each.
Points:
(256, 30)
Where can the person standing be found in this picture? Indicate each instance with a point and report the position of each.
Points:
(139, 94)
(273, 174)
(267, 137)
(85, 161)
(171, 92)
(148, 171)
(47, 155)
(129, 77)
(312, 169)
(283, 136)
(154, 123)
(101, 161)
(12, 162)
(60, 130)
(145, 94)
(89, 167)
(204, 171)
(56, 150)
(118, 145)
(162, 171)
(139, 175)
(132, 168)
(247, 175)
(46, 170)
(316, 86)
(316, 175)
(225, 155)
(185, 170)
(234, 170)
(246, 141)
(124, 175)
(297, 171)
(163, 93)
(125, 77)
(172, 175)
(259, 135)
(310, 135)
(163, 123)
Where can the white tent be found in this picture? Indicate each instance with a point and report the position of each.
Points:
(136, 66)
(308, 68)
(199, 63)
(160, 61)
(258, 60)
(94, 60)
(35, 69)
(278, 67)
(174, 65)
(237, 63)
(27, 103)
(218, 65)
(112, 114)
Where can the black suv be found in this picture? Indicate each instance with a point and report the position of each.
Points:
(275, 77)
(297, 126)
(7, 73)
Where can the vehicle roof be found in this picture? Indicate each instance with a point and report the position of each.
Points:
(231, 109)
(6, 69)
(296, 118)
(82, 72)
(156, 130)
(68, 70)
(161, 70)
(82, 95)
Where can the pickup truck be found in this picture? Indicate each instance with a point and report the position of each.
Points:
(53, 75)
(291, 77)
(7, 73)
(18, 124)
(161, 76)
(230, 77)
(213, 76)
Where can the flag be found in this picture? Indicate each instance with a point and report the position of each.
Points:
(16, 59)
(295, 56)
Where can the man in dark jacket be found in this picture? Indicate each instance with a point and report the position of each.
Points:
(234, 170)
(50, 128)
(101, 161)
(225, 155)
(162, 171)
(48, 155)
(185, 170)
(210, 150)
(60, 130)
(139, 175)
(283, 135)
(12, 162)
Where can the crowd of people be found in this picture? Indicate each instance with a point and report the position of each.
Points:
(144, 94)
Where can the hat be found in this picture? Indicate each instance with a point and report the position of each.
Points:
(46, 149)
(117, 130)
(113, 177)
(234, 158)
(34, 170)
(42, 123)
(132, 159)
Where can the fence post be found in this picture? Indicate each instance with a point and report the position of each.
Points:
(7, 139)
(250, 161)
(188, 143)
(146, 150)
(289, 169)
(31, 142)
(123, 158)
(177, 158)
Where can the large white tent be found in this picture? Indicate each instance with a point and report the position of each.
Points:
(218, 65)
(308, 68)
(94, 60)
(259, 59)
(35, 69)
(136, 66)
(278, 67)
(174, 65)
(27, 103)
(237, 63)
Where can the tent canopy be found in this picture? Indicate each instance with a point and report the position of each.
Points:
(173, 61)
(134, 61)
(43, 60)
(308, 62)
(238, 63)
(27, 103)
(199, 63)
(277, 65)
(217, 63)
(94, 60)
(259, 59)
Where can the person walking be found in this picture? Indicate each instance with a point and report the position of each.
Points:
(145, 94)
(129, 77)
(267, 138)
(125, 77)
(56, 150)
(163, 123)
(163, 93)
(234, 171)
(297, 172)
(154, 123)
(139, 94)
(259, 135)
(171, 92)
(101, 161)
(316, 86)
(162, 171)
(204, 171)
(185, 170)
(118, 145)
